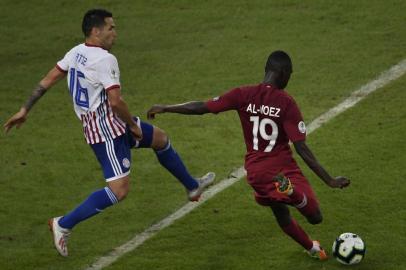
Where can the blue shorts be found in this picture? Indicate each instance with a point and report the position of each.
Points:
(115, 156)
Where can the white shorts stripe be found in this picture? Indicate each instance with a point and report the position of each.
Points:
(115, 164)
(113, 178)
(108, 147)
(113, 158)
(116, 159)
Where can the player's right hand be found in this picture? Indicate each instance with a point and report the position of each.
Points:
(154, 110)
(136, 132)
(339, 182)
(16, 120)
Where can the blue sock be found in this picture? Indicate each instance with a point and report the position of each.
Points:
(174, 164)
(94, 204)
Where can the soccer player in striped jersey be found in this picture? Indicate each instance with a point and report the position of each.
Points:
(93, 78)
(270, 118)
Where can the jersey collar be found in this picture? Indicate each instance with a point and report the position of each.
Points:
(92, 45)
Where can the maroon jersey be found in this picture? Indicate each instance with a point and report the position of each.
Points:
(269, 119)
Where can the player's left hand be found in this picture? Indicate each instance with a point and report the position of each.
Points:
(339, 182)
(16, 120)
(154, 110)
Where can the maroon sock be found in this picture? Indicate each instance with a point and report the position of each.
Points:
(296, 232)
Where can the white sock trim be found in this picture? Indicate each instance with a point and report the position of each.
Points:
(111, 195)
(315, 247)
(303, 203)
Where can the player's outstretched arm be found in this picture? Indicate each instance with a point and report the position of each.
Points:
(119, 107)
(192, 107)
(53, 76)
(306, 154)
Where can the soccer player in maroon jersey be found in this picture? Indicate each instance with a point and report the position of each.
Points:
(270, 118)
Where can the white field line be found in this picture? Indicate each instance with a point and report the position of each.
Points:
(386, 77)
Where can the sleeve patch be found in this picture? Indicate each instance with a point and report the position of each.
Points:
(302, 127)
(113, 74)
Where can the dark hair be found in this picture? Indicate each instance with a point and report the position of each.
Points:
(94, 18)
(278, 61)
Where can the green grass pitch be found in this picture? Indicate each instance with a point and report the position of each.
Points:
(175, 51)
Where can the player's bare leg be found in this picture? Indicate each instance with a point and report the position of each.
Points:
(120, 187)
(169, 159)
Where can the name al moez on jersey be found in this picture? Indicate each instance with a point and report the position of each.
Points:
(263, 109)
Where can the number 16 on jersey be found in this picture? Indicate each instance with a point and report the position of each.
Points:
(81, 97)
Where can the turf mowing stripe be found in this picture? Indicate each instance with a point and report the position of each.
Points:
(386, 77)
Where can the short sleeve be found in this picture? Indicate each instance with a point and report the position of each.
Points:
(228, 101)
(109, 73)
(293, 123)
(63, 64)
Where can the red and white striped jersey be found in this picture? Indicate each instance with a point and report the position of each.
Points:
(92, 71)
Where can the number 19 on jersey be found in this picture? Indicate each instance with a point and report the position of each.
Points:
(259, 126)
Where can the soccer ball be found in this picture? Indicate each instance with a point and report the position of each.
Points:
(349, 248)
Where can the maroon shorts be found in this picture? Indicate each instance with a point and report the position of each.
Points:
(265, 192)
